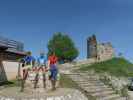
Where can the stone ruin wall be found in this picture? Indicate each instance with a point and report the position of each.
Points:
(99, 51)
(105, 51)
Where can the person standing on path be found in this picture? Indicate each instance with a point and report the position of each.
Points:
(52, 64)
(41, 66)
(28, 63)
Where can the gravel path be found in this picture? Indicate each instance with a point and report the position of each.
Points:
(13, 93)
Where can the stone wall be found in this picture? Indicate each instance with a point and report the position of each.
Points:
(105, 51)
(100, 51)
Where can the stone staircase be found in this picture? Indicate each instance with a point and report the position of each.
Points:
(94, 87)
(89, 82)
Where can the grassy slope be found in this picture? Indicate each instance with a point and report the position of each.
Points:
(115, 66)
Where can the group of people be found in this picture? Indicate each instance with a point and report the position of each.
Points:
(43, 64)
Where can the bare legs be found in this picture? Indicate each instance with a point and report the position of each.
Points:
(25, 75)
(37, 79)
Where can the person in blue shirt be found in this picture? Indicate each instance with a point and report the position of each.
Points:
(41, 62)
(42, 59)
(28, 63)
(29, 60)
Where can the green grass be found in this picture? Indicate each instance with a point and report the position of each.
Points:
(12, 83)
(115, 66)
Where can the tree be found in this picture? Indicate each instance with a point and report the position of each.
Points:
(63, 46)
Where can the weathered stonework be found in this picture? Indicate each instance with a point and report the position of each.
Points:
(105, 51)
(92, 47)
(100, 51)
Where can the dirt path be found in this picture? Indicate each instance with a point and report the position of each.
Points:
(13, 93)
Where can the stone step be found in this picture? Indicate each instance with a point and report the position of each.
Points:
(75, 76)
(72, 74)
(103, 93)
(94, 90)
(80, 81)
(90, 84)
(82, 75)
(87, 83)
(88, 75)
(121, 98)
(84, 79)
(89, 80)
(93, 87)
(94, 83)
(97, 90)
(78, 74)
(112, 97)
(91, 77)
(77, 79)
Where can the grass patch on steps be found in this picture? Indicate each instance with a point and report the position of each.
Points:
(115, 66)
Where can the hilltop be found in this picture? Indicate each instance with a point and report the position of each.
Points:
(115, 66)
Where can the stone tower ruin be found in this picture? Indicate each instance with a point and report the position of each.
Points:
(92, 47)
(100, 51)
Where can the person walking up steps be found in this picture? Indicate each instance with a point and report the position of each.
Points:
(52, 64)
(28, 63)
(41, 66)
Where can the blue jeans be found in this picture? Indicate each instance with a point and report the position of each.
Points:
(54, 72)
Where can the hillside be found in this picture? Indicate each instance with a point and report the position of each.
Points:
(115, 66)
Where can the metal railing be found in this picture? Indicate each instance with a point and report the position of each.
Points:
(11, 44)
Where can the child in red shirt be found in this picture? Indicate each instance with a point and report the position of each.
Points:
(52, 63)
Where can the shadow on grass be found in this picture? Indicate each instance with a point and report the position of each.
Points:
(12, 83)
(6, 83)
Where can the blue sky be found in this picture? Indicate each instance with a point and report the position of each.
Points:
(34, 22)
